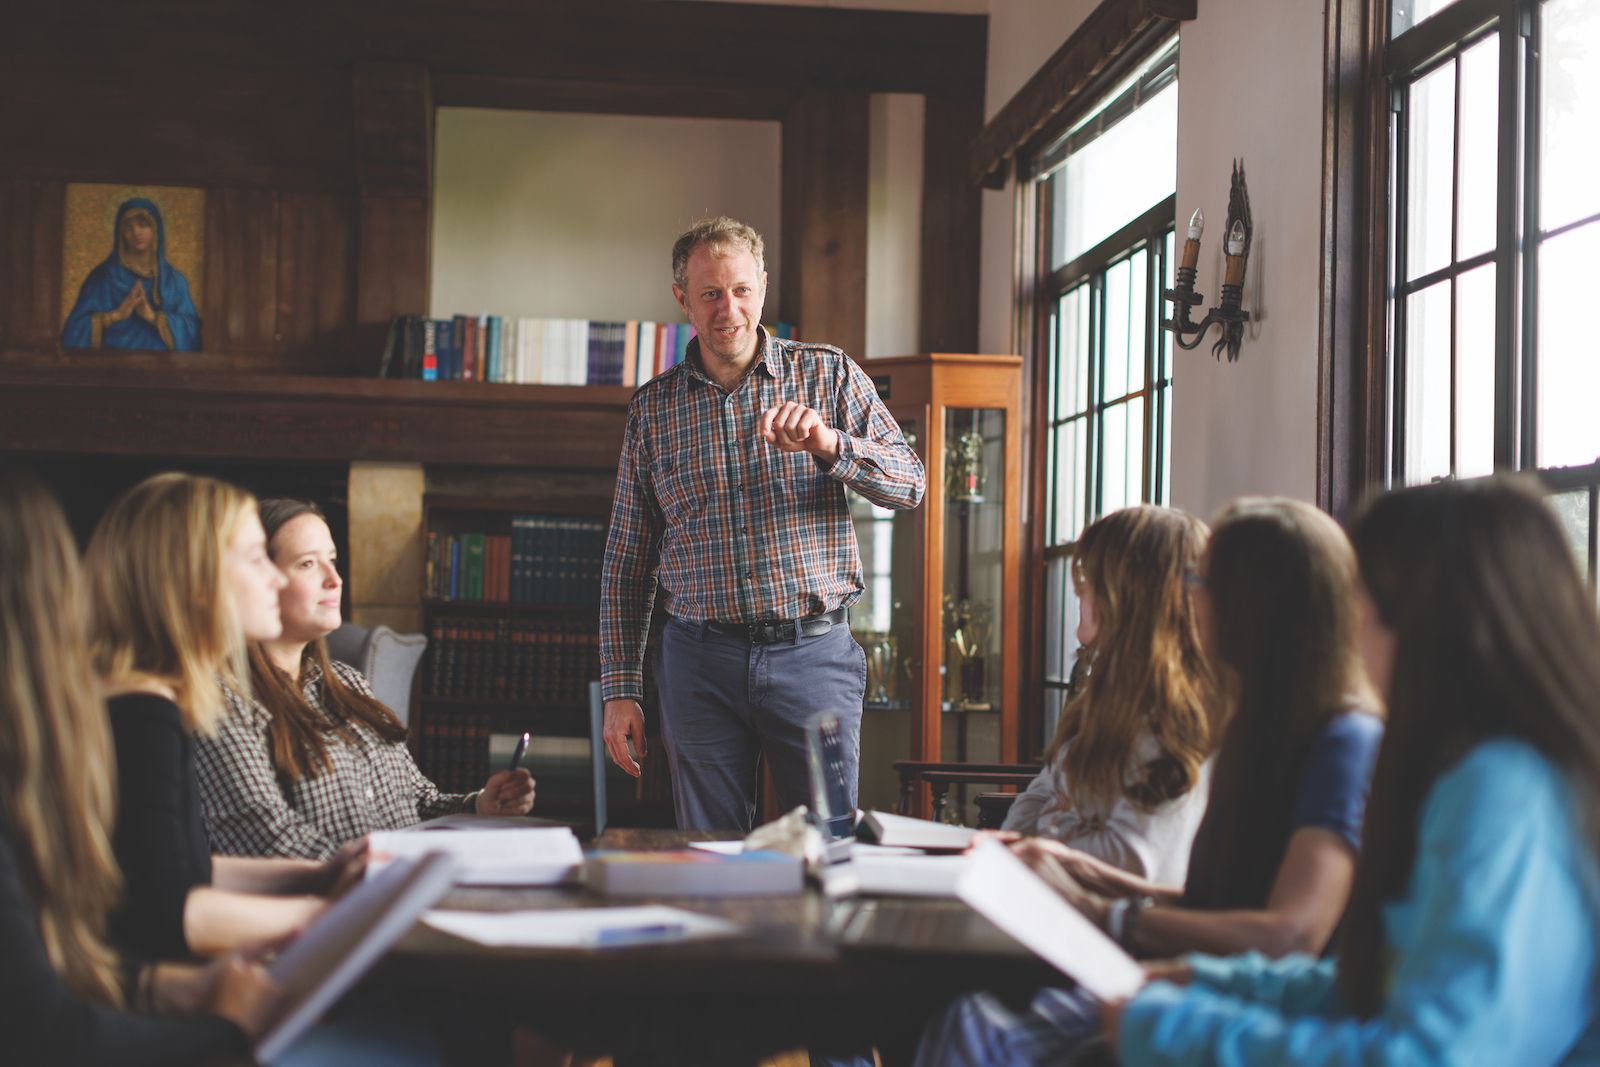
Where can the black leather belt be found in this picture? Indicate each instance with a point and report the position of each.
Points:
(772, 631)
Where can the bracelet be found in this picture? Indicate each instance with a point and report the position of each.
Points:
(1130, 920)
(1117, 918)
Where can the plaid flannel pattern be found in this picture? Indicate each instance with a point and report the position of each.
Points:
(728, 526)
(251, 811)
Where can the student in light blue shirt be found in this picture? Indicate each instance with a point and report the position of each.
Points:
(1471, 932)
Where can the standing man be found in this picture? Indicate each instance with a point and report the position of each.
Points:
(730, 499)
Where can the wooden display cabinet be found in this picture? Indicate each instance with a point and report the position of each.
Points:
(941, 615)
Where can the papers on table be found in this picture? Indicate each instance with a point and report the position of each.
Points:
(580, 927)
(884, 828)
(1001, 888)
(466, 820)
(890, 874)
(523, 857)
(721, 848)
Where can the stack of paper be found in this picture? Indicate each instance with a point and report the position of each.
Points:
(522, 857)
(579, 927)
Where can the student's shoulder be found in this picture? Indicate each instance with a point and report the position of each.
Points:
(144, 710)
(1354, 730)
(351, 677)
(1501, 786)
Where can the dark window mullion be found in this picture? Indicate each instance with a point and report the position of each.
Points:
(1456, 119)
(1506, 452)
(1401, 152)
(1530, 259)
(1093, 444)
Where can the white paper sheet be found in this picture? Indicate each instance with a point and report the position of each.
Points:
(916, 875)
(525, 857)
(1002, 888)
(721, 848)
(580, 927)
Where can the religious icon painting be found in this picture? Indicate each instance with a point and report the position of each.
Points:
(131, 267)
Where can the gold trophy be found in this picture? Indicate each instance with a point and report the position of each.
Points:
(964, 467)
(968, 626)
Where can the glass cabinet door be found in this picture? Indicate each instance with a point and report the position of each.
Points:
(973, 584)
(886, 622)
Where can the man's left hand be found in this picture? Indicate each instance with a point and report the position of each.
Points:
(794, 427)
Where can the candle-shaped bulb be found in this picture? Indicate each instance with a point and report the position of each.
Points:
(1191, 246)
(1235, 243)
(1197, 224)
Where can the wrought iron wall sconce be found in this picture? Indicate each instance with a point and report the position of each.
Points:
(1230, 314)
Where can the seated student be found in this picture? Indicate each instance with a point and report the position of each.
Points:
(62, 986)
(314, 760)
(179, 578)
(1470, 937)
(1273, 861)
(1124, 777)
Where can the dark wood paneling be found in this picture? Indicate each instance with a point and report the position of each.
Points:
(31, 214)
(125, 118)
(951, 231)
(240, 312)
(611, 98)
(825, 147)
(648, 42)
(121, 411)
(391, 268)
(393, 128)
(316, 274)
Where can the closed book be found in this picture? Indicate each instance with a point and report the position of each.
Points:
(472, 570)
(630, 352)
(430, 350)
(453, 588)
(692, 873)
(491, 348)
(900, 831)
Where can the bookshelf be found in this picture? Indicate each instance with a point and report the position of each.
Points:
(511, 593)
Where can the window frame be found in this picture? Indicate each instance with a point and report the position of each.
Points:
(1038, 288)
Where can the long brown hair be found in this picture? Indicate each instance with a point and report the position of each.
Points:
(1280, 581)
(1495, 635)
(299, 733)
(1147, 674)
(57, 777)
(161, 607)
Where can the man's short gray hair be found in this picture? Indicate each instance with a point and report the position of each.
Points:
(722, 234)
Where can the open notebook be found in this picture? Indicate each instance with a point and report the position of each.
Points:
(335, 950)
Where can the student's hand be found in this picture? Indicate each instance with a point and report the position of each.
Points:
(1084, 868)
(1046, 863)
(241, 991)
(1004, 837)
(346, 868)
(507, 793)
(624, 723)
(794, 427)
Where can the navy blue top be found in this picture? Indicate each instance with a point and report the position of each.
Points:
(1338, 776)
(160, 839)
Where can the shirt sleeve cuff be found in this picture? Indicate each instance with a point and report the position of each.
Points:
(848, 466)
(621, 683)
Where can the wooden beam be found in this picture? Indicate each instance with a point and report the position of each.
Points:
(951, 215)
(31, 217)
(517, 93)
(825, 147)
(123, 411)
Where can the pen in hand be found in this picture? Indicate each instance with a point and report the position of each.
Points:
(521, 750)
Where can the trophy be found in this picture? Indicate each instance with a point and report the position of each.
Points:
(964, 467)
(968, 625)
(883, 661)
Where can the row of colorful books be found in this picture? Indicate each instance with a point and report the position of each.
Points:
(501, 659)
(492, 348)
(546, 559)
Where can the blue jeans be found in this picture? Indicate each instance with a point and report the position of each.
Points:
(977, 1030)
(724, 701)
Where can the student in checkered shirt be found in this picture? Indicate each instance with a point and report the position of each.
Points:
(313, 760)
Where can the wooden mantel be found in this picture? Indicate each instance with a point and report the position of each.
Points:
(136, 411)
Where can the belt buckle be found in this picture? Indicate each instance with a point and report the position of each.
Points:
(772, 631)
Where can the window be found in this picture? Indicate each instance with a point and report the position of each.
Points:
(1105, 193)
(1494, 229)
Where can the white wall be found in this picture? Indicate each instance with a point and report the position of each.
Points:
(894, 224)
(1250, 426)
(1250, 85)
(550, 215)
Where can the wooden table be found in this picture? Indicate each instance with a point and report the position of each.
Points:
(733, 1001)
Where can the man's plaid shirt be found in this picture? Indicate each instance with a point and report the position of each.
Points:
(250, 811)
(728, 526)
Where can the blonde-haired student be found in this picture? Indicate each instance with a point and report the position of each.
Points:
(1125, 777)
(64, 988)
(179, 581)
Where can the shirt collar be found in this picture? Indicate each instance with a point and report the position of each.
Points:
(768, 351)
